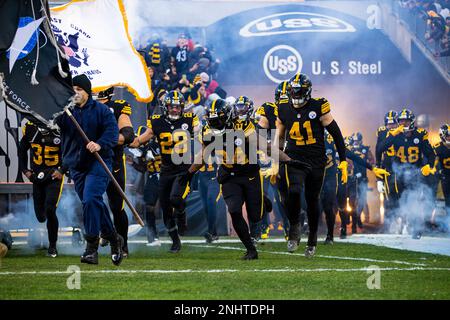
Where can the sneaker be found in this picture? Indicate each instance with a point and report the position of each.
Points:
(250, 255)
(103, 242)
(52, 252)
(310, 251)
(176, 247)
(89, 257)
(329, 240)
(292, 245)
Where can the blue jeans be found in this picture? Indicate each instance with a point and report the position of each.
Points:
(90, 186)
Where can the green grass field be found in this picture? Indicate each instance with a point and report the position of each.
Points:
(215, 271)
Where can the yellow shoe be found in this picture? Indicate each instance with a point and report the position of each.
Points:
(265, 234)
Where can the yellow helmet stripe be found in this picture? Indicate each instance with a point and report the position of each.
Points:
(284, 87)
(297, 77)
(213, 106)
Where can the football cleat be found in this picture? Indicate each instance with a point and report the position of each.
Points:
(210, 238)
(89, 257)
(343, 233)
(310, 251)
(250, 255)
(52, 252)
(103, 242)
(329, 240)
(176, 247)
(154, 243)
(116, 250)
(292, 245)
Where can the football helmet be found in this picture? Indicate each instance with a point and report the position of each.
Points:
(243, 108)
(300, 88)
(390, 118)
(173, 105)
(444, 134)
(218, 116)
(282, 91)
(357, 139)
(407, 115)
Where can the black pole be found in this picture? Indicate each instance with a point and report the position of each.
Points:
(97, 156)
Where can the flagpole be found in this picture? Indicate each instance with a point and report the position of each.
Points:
(99, 158)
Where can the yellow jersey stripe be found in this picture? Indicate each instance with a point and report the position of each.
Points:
(326, 107)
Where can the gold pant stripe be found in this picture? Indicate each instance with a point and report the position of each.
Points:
(60, 191)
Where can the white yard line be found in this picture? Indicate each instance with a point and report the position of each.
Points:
(317, 255)
(156, 271)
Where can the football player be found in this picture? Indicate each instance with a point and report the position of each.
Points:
(122, 113)
(384, 160)
(301, 123)
(173, 130)
(148, 161)
(442, 150)
(238, 173)
(46, 175)
(413, 160)
(360, 172)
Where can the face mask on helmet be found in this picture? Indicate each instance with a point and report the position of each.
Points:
(174, 110)
(241, 111)
(444, 134)
(218, 116)
(299, 94)
(43, 131)
(408, 121)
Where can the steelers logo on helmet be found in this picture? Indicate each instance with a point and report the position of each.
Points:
(218, 115)
(282, 92)
(300, 88)
(243, 108)
(173, 105)
(407, 119)
(444, 134)
(390, 117)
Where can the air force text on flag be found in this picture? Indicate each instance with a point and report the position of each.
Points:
(34, 76)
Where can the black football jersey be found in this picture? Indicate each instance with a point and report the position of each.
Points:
(174, 137)
(244, 160)
(304, 132)
(383, 158)
(443, 154)
(414, 150)
(119, 107)
(45, 150)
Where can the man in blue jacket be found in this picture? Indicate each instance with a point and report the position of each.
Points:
(90, 178)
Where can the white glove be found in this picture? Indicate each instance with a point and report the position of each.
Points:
(149, 156)
(135, 152)
(380, 186)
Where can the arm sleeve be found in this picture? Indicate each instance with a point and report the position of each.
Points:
(110, 134)
(357, 159)
(335, 132)
(379, 150)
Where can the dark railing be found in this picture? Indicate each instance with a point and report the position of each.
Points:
(418, 26)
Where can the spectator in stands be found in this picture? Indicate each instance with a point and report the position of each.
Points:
(180, 55)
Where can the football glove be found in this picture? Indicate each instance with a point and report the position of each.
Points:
(380, 173)
(427, 170)
(397, 130)
(380, 186)
(343, 168)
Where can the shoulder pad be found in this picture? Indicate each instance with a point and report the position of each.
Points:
(324, 105)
